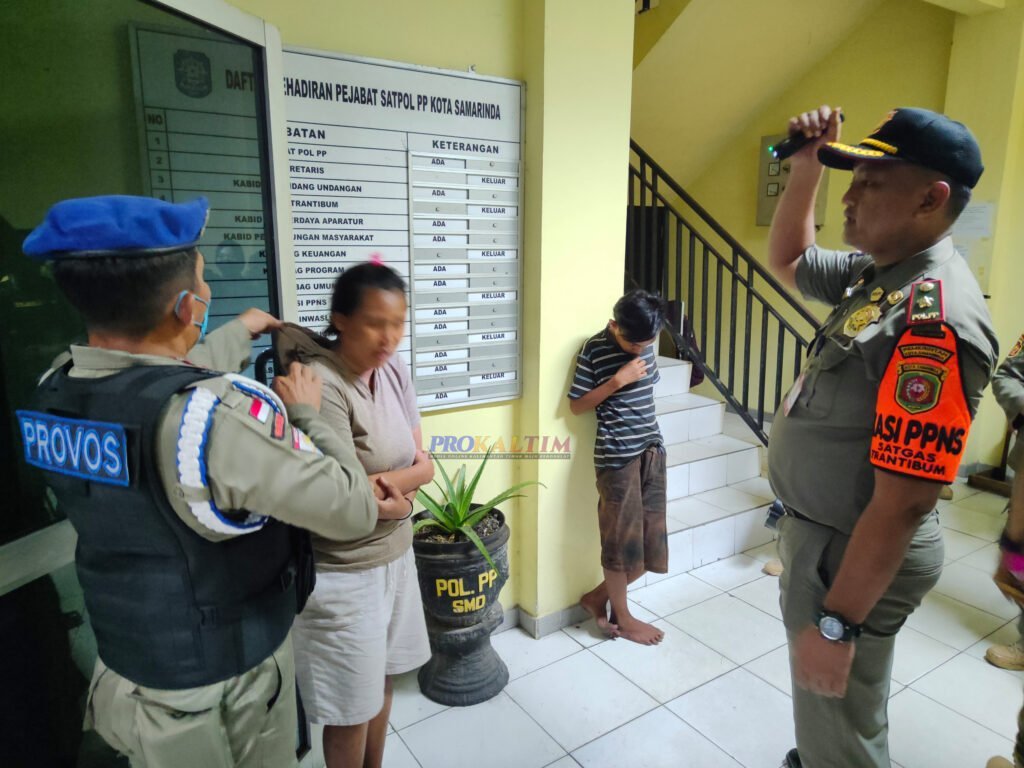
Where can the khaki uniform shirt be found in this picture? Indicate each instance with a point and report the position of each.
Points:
(819, 452)
(1008, 387)
(316, 485)
(378, 418)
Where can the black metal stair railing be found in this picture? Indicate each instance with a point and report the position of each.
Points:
(750, 334)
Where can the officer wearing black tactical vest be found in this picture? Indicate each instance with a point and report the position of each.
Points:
(183, 485)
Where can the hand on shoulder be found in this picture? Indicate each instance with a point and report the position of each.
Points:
(258, 322)
(300, 386)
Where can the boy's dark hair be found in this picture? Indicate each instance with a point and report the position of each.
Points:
(639, 315)
(126, 295)
(352, 284)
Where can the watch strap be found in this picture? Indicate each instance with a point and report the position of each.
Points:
(851, 631)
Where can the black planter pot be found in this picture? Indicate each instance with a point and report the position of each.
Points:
(460, 597)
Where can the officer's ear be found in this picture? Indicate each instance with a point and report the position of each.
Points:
(184, 307)
(935, 197)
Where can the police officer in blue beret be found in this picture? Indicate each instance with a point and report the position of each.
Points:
(183, 484)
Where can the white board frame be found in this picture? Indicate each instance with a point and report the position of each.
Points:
(287, 260)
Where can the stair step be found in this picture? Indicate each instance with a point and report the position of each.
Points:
(675, 377)
(701, 532)
(688, 417)
(708, 463)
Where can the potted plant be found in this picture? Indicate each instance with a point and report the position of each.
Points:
(461, 552)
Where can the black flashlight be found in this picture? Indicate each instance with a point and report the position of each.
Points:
(793, 143)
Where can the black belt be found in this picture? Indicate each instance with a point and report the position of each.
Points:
(793, 513)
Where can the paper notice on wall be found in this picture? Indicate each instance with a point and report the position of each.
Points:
(974, 223)
(972, 235)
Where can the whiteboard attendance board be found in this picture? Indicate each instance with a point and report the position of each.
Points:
(422, 169)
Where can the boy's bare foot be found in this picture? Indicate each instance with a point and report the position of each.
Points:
(640, 632)
(598, 609)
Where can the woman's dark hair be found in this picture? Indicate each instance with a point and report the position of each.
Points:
(639, 315)
(352, 284)
(126, 295)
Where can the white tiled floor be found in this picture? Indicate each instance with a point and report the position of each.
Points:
(716, 692)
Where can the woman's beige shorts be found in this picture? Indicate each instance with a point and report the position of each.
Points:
(357, 627)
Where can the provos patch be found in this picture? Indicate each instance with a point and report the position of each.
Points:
(921, 416)
(89, 450)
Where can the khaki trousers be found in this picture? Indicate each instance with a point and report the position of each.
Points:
(247, 721)
(851, 732)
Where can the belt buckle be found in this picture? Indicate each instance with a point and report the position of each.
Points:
(775, 513)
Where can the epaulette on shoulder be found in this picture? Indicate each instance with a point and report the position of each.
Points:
(191, 454)
(926, 305)
(256, 390)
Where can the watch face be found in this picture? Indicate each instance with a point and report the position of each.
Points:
(831, 628)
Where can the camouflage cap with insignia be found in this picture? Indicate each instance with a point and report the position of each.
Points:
(116, 225)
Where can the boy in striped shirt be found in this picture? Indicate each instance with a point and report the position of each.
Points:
(615, 375)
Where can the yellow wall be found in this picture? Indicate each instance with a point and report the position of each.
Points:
(986, 91)
(652, 25)
(902, 62)
(454, 34)
(577, 145)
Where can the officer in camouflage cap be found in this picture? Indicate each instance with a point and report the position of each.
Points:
(183, 485)
(878, 419)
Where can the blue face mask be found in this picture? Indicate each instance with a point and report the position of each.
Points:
(206, 315)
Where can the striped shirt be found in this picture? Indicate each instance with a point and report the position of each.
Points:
(626, 425)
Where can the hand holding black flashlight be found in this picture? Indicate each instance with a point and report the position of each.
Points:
(793, 143)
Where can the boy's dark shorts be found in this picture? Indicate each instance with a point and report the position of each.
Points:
(631, 514)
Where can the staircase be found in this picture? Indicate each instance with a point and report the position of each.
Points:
(716, 495)
(749, 337)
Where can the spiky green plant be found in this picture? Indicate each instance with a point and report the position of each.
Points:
(452, 512)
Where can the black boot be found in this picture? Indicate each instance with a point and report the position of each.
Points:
(793, 759)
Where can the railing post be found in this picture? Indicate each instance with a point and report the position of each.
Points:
(780, 356)
(679, 269)
(733, 352)
(762, 379)
(718, 318)
(704, 301)
(747, 332)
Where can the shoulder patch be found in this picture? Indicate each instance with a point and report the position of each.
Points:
(193, 434)
(277, 429)
(922, 417)
(1016, 349)
(301, 442)
(96, 451)
(254, 389)
(925, 305)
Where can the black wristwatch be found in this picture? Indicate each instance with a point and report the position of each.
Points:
(834, 627)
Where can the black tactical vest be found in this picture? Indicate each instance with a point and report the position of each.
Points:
(170, 609)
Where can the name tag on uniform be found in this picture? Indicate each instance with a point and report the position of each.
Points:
(794, 393)
(90, 450)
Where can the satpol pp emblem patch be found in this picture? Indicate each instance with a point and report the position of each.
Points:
(193, 75)
(919, 386)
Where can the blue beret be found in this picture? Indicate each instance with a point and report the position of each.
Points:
(113, 225)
